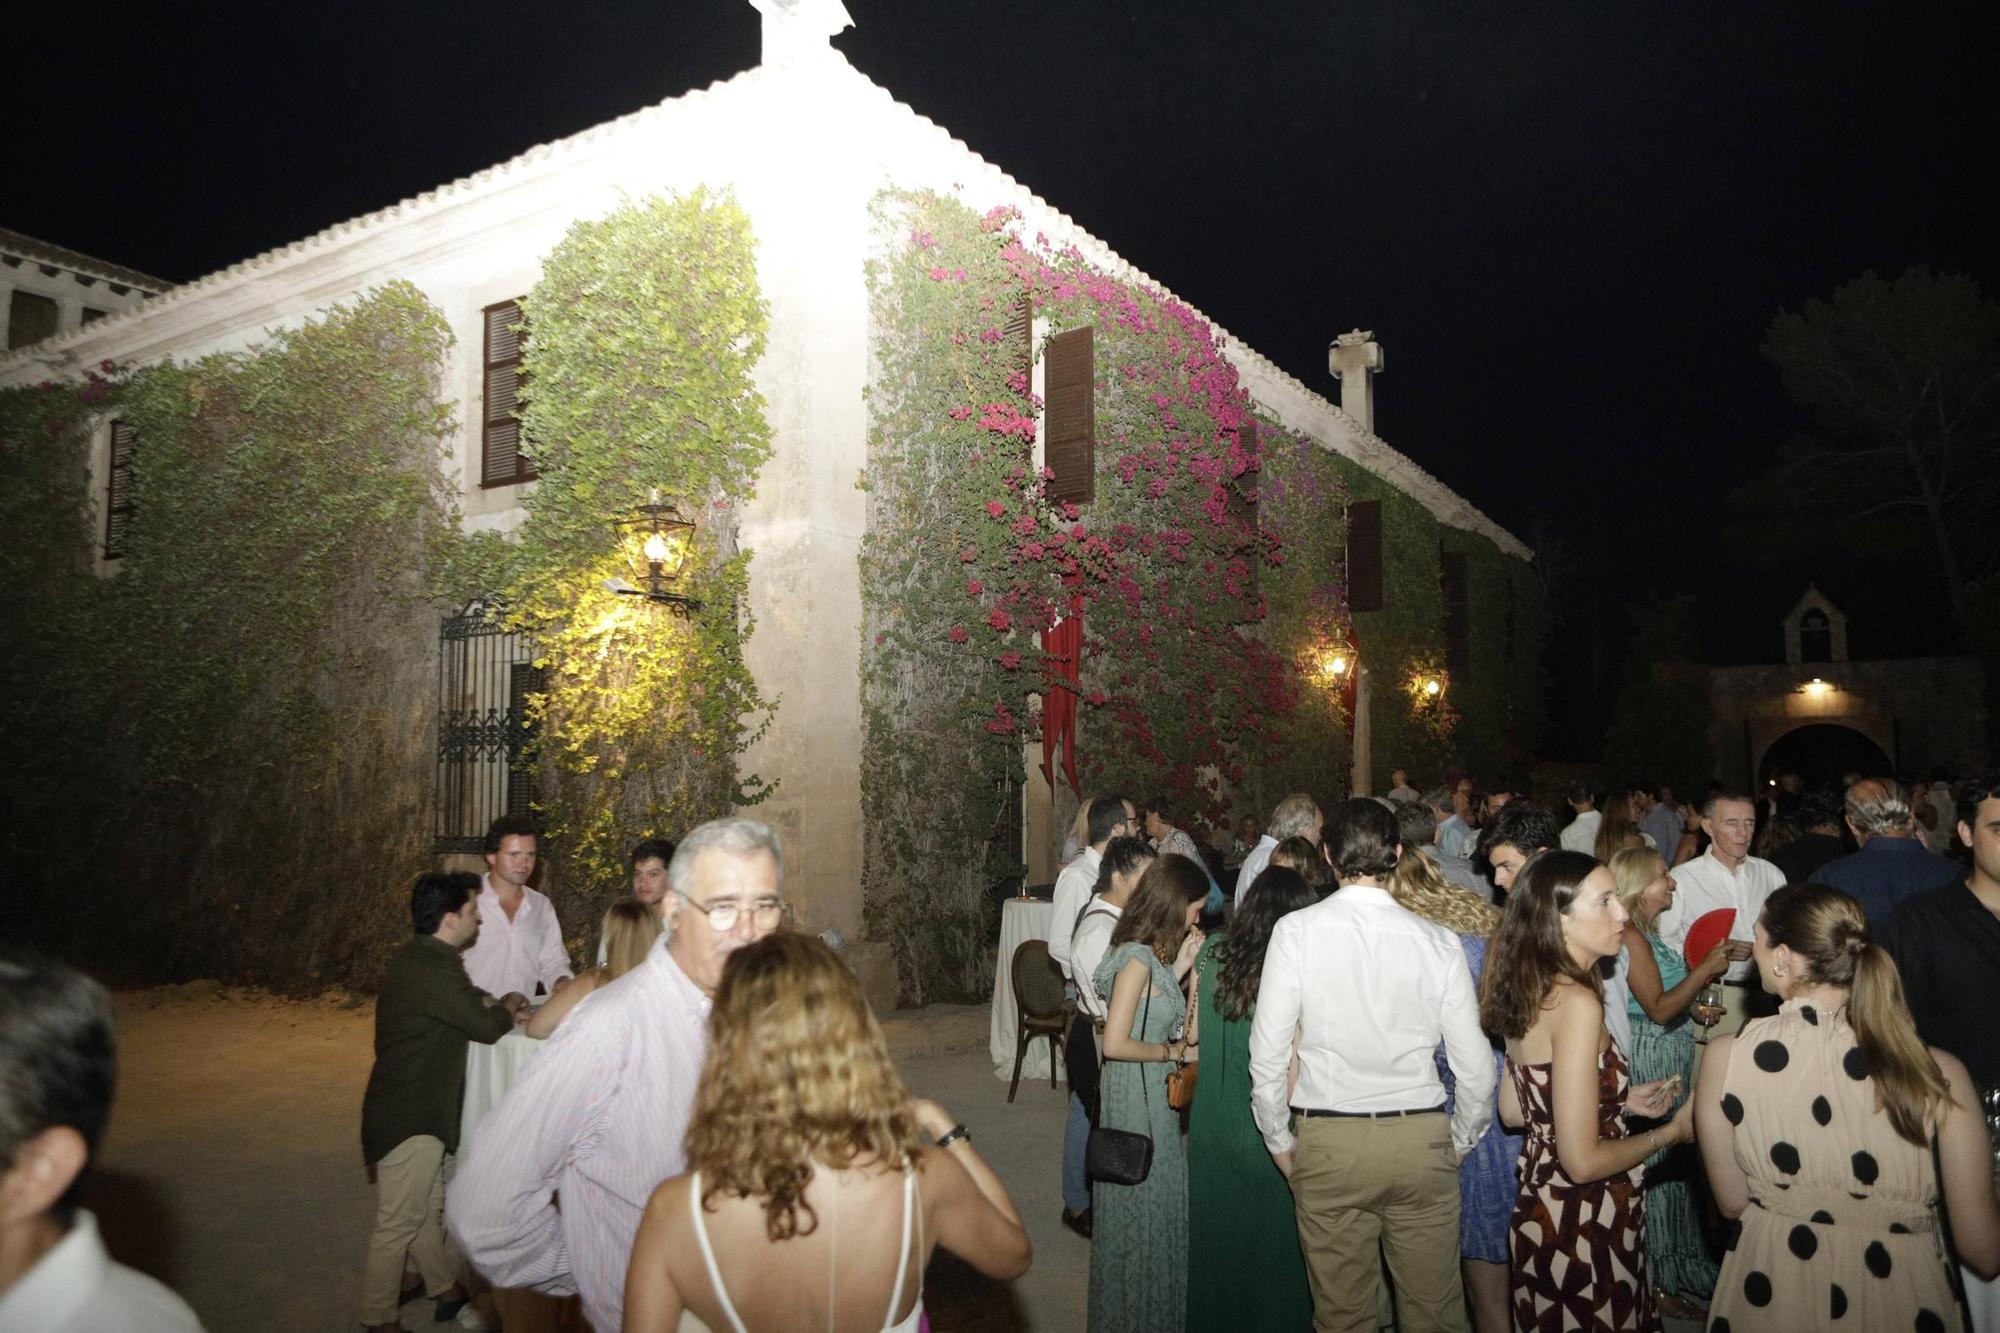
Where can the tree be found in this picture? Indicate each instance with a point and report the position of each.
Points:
(1659, 728)
(1902, 382)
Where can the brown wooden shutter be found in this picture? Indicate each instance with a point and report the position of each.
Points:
(1241, 506)
(1017, 347)
(118, 489)
(501, 461)
(1457, 613)
(30, 318)
(1070, 415)
(1364, 555)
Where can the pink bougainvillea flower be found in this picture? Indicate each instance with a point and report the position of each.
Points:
(1010, 659)
(968, 555)
(958, 634)
(1094, 698)
(973, 587)
(999, 620)
(995, 508)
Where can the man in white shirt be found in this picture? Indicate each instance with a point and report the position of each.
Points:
(1297, 816)
(600, 1118)
(1725, 876)
(520, 938)
(1581, 833)
(1108, 817)
(58, 1063)
(1371, 990)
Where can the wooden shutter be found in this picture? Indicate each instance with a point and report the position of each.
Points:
(1070, 414)
(501, 461)
(118, 489)
(1364, 555)
(1017, 350)
(30, 318)
(1241, 506)
(1457, 613)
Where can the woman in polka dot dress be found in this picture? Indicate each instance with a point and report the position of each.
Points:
(1815, 1127)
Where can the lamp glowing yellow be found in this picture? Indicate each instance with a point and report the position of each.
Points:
(1817, 687)
(1433, 688)
(656, 548)
(1333, 665)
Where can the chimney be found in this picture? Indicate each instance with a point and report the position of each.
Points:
(1354, 359)
(800, 29)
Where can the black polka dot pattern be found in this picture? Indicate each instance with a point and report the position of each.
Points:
(1810, 1014)
(1785, 1157)
(1855, 1063)
(1718, 1326)
(1898, 1229)
(1757, 1289)
(1823, 1216)
(1839, 1301)
(1772, 1057)
(1732, 1109)
(1802, 1241)
(1822, 1110)
(1929, 1321)
(1865, 1169)
(1876, 1256)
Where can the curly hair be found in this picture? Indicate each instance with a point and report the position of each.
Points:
(1422, 889)
(798, 1075)
(1527, 955)
(1276, 892)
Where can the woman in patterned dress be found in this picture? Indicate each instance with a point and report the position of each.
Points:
(1139, 1246)
(1817, 1127)
(1659, 990)
(1578, 1228)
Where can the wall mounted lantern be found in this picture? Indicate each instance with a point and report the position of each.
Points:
(656, 537)
(1336, 660)
(1817, 688)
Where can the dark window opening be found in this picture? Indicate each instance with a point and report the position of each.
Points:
(118, 489)
(1815, 637)
(1364, 555)
(30, 318)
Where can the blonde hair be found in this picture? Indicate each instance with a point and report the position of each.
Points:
(1827, 931)
(798, 1074)
(1632, 870)
(1421, 887)
(630, 927)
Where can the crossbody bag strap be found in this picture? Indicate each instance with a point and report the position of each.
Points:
(1144, 1099)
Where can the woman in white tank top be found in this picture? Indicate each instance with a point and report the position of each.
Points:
(808, 1203)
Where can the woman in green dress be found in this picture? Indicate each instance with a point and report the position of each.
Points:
(1659, 990)
(1138, 1252)
(1244, 1266)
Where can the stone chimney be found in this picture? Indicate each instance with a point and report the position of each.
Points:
(1354, 359)
(797, 30)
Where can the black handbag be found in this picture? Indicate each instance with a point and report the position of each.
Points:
(1123, 1156)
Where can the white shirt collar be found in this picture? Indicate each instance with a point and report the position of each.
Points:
(52, 1293)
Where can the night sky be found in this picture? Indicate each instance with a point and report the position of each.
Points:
(1568, 224)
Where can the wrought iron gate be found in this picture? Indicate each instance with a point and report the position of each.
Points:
(485, 675)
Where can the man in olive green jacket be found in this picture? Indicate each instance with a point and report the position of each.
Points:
(427, 1012)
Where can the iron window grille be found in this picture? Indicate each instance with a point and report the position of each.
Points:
(485, 767)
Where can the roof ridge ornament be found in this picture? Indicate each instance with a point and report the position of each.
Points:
(801, 29)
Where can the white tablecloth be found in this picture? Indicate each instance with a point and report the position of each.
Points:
(489, 1072)
(1022, 919)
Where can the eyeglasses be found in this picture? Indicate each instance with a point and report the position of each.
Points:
(722, 916)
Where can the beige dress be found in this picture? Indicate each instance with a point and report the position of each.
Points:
(1839, 1233)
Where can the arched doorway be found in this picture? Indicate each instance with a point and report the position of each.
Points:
(1822, 754)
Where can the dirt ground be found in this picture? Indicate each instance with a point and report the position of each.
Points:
(232, 1170)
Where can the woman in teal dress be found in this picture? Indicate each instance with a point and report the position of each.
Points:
(1244, 1265)
(1138, 1252)
(1660, 987)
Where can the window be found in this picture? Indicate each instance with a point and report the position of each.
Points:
(485, 675)
(501, 461)
(118, 489)
(1364, 555)
(30, 318)
(1815, 637)
(1457, 613)
(1070, 415)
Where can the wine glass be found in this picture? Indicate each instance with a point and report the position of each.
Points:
(1706, 1010)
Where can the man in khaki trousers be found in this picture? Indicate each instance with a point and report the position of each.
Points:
(427, 1013)
(1364, 1139)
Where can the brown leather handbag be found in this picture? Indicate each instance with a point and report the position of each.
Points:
(1181, 1079)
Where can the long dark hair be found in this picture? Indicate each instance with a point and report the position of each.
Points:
(1528, 955)
(1157, 914)
(1271, 895)
(1829, 933)
(1122, 856)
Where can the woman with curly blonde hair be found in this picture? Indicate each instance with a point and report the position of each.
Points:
(808, 1202)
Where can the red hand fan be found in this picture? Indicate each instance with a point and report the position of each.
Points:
(1711, 929)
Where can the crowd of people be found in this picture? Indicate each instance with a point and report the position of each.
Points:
(1466, 1063)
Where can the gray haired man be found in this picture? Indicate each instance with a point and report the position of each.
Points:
(1894, 861)
(1297, 816)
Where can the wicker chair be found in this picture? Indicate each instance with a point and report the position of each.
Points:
(1039, 1006)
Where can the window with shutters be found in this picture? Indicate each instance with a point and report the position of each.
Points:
(1069, 415)
(502, 463)
(1364, 555)
(1241, 506)
(30, 318)
(1457, 613)
(118, 489)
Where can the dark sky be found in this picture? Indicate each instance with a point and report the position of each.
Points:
(1568, 223)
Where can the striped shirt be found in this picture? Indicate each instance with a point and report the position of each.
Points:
(600, 1117)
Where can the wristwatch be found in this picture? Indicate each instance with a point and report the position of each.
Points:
(952, 1135)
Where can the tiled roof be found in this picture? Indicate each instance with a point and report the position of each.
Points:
(18, 246)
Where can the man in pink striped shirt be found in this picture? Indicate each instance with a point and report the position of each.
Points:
(601, 1114)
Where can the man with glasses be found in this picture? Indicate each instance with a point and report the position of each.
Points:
(600, 1117)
